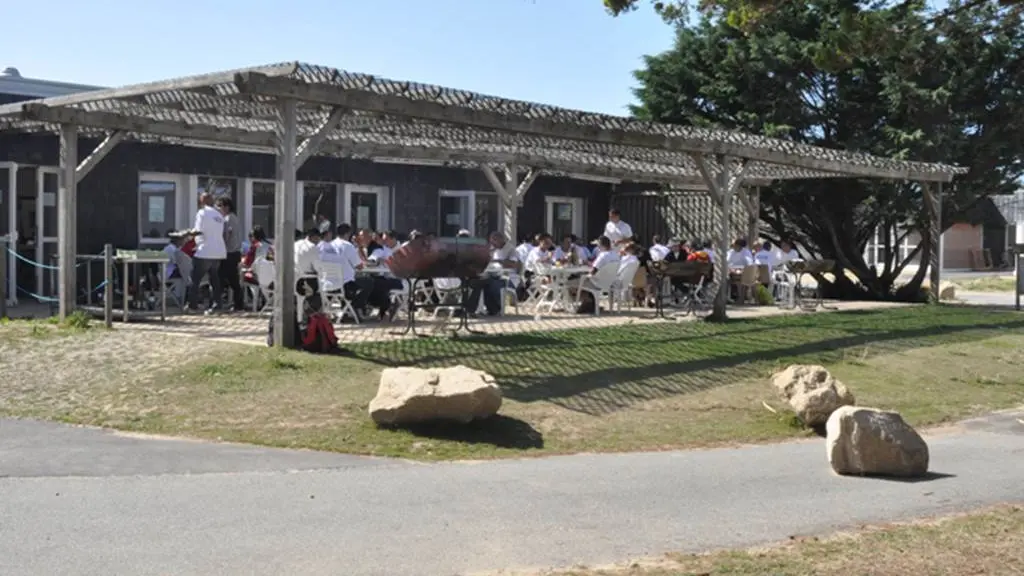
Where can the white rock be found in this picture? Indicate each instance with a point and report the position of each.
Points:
(812, 392)
(411, 395)
(870, 441)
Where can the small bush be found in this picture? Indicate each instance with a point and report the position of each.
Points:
(763, 296)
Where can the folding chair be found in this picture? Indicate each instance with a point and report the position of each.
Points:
(600, 285)
(333, 292)
(265, 272)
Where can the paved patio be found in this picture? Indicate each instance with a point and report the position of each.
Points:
(249, 328)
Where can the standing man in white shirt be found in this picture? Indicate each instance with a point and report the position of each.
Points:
(616, 230)
(210, 252)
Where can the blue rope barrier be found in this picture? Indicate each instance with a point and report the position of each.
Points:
(35, 264)
(42, 298)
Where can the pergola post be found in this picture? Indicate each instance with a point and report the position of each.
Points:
(933, 206)
(67, 212)
(285, 198)
(511, 194)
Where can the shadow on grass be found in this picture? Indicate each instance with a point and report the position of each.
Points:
(498, 431)
(600, 370)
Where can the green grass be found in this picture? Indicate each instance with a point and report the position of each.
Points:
(631, 387)
(12, 330)
(988, 542)
(988, 284)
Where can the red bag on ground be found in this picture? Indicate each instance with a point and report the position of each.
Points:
(319, 336)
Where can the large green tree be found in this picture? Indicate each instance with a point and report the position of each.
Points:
(949, 90)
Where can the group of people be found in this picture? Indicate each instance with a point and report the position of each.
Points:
(332, 257)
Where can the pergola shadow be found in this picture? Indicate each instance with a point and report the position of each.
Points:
(612, 369)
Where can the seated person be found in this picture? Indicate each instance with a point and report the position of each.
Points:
(739, 257)
(357, 289)
(383, 284)
(179, 264)
(503, 254)
(258, 248)
(765, 256)
(606, 256)
(659, 251)
(570, 252)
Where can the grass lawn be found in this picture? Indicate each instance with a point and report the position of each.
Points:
(631, 387)
(988, 284)
(989, 542)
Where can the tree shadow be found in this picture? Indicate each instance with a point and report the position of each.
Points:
(498, 431)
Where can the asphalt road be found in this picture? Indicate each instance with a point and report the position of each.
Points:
(83, 501)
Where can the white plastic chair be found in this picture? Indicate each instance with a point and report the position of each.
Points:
(599, 285)
(333, 291)
(265, 271)
(444, 289)
(623, 286)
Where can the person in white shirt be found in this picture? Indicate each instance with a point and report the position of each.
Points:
(616, 230)
(787, 253)
(766, 256)
(523, 250)
(210, 252)
(307, 255)
(606, 255)
(503, 255)
(739, 257)
(659, 251)
(540, 255)
(357, 289)
(570, 248)
(383, 284)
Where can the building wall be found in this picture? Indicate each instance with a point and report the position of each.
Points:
(108, 205)
(958, 242)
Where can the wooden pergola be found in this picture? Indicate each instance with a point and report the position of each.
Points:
(298, 110)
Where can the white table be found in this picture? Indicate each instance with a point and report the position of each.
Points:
(557, 288)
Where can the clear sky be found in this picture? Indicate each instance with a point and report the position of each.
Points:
(563, 52)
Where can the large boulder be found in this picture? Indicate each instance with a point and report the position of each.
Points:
(413, 395)
(812, 392)
(877, 442)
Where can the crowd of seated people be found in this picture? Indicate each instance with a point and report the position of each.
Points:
(342, 258)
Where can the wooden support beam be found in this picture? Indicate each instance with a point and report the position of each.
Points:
(708, 178)
(528, 180)
(752, 199)
(285, 200)
(332, 95)
(139, 125)
(510, 204)
(492, 178)
(316, 140)
(98, 154)
(67, 213)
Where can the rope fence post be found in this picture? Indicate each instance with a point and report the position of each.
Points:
(3, 277)
(108, 285)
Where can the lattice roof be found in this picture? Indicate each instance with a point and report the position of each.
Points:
(376, 117)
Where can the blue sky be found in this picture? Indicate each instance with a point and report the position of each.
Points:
(562, 52)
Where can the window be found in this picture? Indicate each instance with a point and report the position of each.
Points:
(317, 199)
(263, 205)
(156, 208)
(367, 207)
(477, 212)
(217, 186)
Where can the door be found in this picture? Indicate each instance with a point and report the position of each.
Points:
(260, 199)
(564, 216)
(456, 212)
(8, 224)
(367, 207)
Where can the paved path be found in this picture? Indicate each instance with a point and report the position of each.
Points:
(1000, 299)
(82, 501)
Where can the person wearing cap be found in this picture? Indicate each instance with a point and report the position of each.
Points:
(616, 230)
(210, 252)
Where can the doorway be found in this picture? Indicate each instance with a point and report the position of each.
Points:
(564, 216)
(8, 227)
(469, 210)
